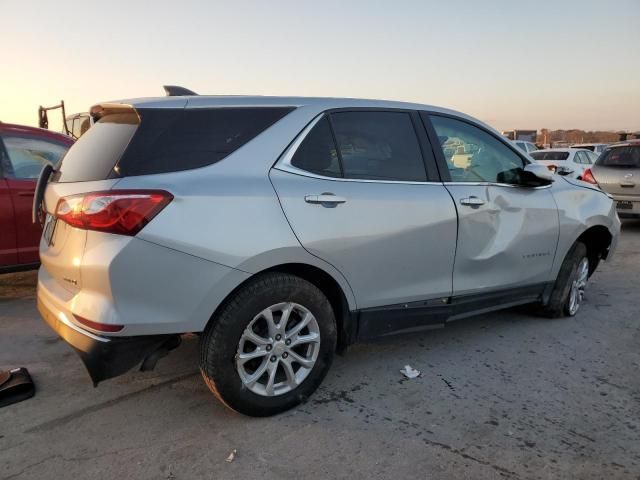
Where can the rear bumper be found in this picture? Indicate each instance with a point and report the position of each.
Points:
(105, 357)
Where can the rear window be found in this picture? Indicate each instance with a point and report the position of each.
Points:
(623, 157)
(163, 140)
(549, 155)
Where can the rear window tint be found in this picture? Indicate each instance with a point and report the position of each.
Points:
(549, 155)
(163, 140)
(623, 157)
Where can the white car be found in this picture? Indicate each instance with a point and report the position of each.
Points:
(571, 162)
(596, 148)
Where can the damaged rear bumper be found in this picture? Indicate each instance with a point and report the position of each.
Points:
(108, 357)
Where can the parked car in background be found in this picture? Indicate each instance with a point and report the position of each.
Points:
(526, 147)
(596, 148)
(23, 153)
(282, 228)
(617, 172)
(565, 161)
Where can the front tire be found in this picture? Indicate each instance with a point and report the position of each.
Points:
(270, 345)
(568, 290)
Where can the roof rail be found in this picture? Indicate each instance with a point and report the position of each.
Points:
(177, 91)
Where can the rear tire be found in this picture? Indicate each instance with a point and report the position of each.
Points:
(568, 290)
(246, 339)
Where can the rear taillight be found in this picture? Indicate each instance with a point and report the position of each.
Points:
(123, 212)
(587, 176)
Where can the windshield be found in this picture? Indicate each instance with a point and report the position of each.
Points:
(623, 157)
(541, 155)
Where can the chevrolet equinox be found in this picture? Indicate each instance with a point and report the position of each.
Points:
(283, 229)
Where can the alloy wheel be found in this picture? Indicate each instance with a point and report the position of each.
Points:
(578, 285)
(278, 349)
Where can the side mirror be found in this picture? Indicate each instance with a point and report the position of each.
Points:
(539, 171)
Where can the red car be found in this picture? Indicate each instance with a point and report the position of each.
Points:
(23, 152)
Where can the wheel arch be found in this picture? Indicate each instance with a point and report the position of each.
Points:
(597, 239)
(346, 319)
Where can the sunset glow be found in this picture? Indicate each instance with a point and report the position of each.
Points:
(543, 64)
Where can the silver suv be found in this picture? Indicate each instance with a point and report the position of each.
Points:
(284, 229)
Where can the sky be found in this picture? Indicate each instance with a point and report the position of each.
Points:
(513, 64)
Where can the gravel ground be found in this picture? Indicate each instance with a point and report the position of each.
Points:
(500, 395)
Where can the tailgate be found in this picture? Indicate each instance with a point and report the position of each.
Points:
(618, 181)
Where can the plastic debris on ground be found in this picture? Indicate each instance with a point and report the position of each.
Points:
(410, 372)
(232, 455)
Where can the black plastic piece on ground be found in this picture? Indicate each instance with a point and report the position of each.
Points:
(15, 386)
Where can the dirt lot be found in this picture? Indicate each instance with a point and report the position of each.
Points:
(501, 395)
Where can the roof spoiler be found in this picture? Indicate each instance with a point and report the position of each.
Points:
(177, 91)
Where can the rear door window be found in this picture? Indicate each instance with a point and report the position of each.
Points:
(378, 146)
(371, 145)
(155, 141)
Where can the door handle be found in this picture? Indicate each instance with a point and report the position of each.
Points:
(472, 201)
(328, 199)
(25, 194)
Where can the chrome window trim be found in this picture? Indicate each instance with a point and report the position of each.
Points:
(495, 184)
(298, 171)
(284, 163)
